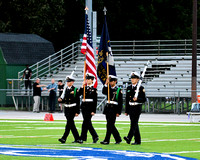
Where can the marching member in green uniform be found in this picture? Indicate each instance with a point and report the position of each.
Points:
(112, 109)
(134, 108)
(88, 108)
(70, 98)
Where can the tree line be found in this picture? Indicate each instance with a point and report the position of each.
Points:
(62, 21)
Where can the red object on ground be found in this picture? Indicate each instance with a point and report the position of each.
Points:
(48, 117)
(198, 98)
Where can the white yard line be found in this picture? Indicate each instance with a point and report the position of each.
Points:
(167, 140)
(12, 136)
(46, 128)
(183, 152)
(174, 131)
(146, 140)
(145, 117)
(62, 128)
(94, 122)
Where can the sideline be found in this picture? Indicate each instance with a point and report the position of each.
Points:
(145, 117)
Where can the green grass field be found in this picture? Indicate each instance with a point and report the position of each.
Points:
(174, 138)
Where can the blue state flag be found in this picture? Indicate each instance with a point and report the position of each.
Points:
(105, 47)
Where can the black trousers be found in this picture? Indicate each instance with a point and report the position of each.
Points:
(87, 125)
(134, 115)
(111, 129)
(28, 84)
(70, 126)
(52, 100)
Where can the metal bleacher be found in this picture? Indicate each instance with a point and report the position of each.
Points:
(176, 81)
(169, 74)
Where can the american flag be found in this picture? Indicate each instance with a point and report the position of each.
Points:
(87, 49)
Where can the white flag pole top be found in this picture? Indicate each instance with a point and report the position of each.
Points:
(105, 10)
(86, 9)
(140, 81)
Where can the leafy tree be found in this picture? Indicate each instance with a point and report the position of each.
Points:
(42, 17)
(152, 19)
(62, 21)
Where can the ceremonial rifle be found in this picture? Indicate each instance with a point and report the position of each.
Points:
(73, 71)
(140, 81)
(71, 75)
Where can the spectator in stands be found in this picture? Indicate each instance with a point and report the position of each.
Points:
(60, 91)
(27, 74)
(52, 89)
(133, 108)
(37, 89)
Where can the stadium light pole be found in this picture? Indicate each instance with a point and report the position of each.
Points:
(88, 3)
(92, 16)
(194, 53)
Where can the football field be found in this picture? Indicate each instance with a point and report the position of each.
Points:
(22, 139)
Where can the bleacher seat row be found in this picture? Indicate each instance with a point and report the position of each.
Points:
(166, 76)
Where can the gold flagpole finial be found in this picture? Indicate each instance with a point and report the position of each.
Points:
(86, 9)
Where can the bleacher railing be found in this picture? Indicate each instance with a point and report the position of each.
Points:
(147, 48)
(119, 48)
(23, 100)
(153, 47)
(54, 62)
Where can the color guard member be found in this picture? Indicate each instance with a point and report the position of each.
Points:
(112, 109)
(133, 108)
(88, 108)
(70, 98)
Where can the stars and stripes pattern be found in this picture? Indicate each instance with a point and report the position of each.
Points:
(87, 49)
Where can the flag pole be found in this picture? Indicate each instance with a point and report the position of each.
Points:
(84, 81)
(108, 78)
(86, 9)
(104, 10)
